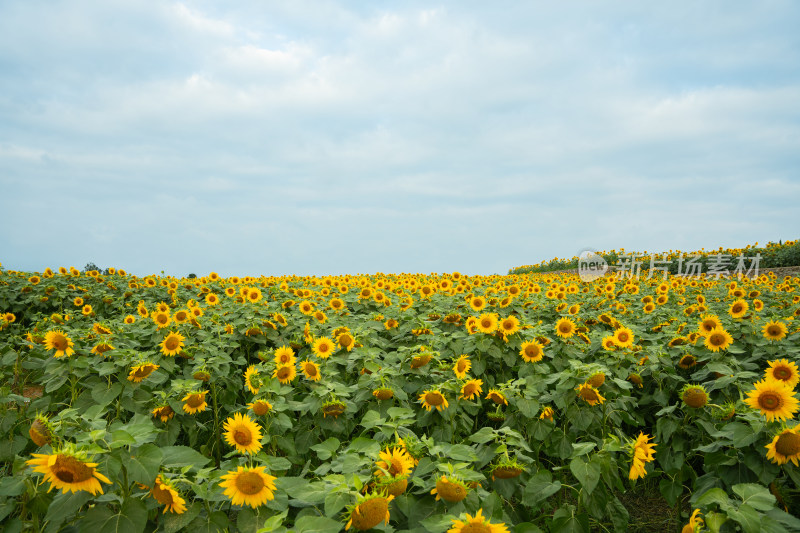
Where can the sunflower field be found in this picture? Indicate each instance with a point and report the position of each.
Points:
(408, 403)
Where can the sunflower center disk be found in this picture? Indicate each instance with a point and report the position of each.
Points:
(434, 399)
(171, 344)
(782, 373)
(249, 483)
(70, 470)
(195, 400)
(788, 444)
(242, 437)
(475, 528)
(769, 401)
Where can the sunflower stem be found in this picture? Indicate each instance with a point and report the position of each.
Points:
(218, 447)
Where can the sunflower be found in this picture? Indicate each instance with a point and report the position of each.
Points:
(589, 394)
(251, 379)
(212, 299)
(87, 310)
(130, 319)
(565, 328)
(78, 302)
(471, 388)
(310, 370)
(284, 356)
(783, 370)
(785, 447)
(497, 397)
(140, 372)
(717, 340)
(476, 524)
(487, 323)
(433, 398)
(708, 323)
(195, 402)
(597, 379)
(531, 351)
(249, 486)
(161, 319)
(323, 347)
(58, 341)
(509, 325)
(695, 523)
(773, 398)
(738, 308)
(451, 490)
(687, 361)
(370, 511)
(477, 303)
(774, 331)
(462, 366)
(260, 407)
(242, 433)
(285, 373)
(383, 393)
(172, 343)
(346, 341)
(641, 452)
(41, 432)
(547, 414)
(608, 343)
(694, 396)
(636, 379)
(101, 348)
(163, 413)
(333, 408)
(68, 471)
(394, 462)
(182, 316)
(164, 492)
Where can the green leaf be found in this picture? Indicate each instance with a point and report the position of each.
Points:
(174, 522)
(748, 518)
(177, 456)
(63, 507)
(619, 515)
(756, 496)
(103, 397)
(582, 448)
(461, 452)
(335, 502)
(12, 486)
(131, 518)
(565, 520)
(671, 490)
(715, 495)
(317, 524)
(483, 435)
(525, 527)
(143, 464)
(539, 488)
(365, 446)
(587, 472)
(325, 449)
(372, 419)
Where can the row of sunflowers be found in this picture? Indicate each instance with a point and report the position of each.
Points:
(409, 403)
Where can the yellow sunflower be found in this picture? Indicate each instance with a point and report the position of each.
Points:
(323, 347)
(58, 341)
(260, 407)
(695, 523)
(346, 341)
(496, 396)
(242, 433)
(708, 323)
(172, 343)
(547, 414)
(370, 511)
(249, 486)
(285, 373)
(164, 492)
(785, 447)
(487, 323)
(783, 370)
(623, 338)
(310, 370)
(774, 331)
(532, 351)
(383, 393)
(451, 490)
(718, 339)
(589, 394)
(161, 318)
(433, 398)
(477, 303)
(509, 325)
(462, 366)
(140, 372)
(773, 398)
(163, 413)
(40, 431)
(212, 299)
(284, 356)
(476, 524)
(251, 379)
(394, 462)
(565, 328)
(738, 308)
(195, 402)
(642, 451)
(471, 388)
(69, 472)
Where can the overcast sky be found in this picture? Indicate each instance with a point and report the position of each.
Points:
(318, 137)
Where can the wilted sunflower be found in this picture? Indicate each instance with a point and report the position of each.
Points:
(547, 414)
(249, 486)
(774, 331)
(260, 407)
(370, 511)
(68, 471)
(383, 393)
(476, 524)
(449, 489)
(323, 347)
(462, 366)
(58, 341)
(695, 523)
(471, 388)
(41, 432)
(164, 492)
(773, 398)
(641, 452)
(310, 370)
(172, 343)
(333, 408)
(623, 338)
(531, 351)
(565, 328)
(433, 398)
(195, 402)
(589, 394)
(140, 372)
(285, 373)
(718, 339)
(242, 433)
(783, 370)
(163, 413)
(497, 397)
(785, 447)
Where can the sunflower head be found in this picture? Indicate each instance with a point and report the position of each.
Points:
(243, 433)
(260, 407)
(694, 396)
(471, 388)
(333, 408)
(249, 486)
(69, 470)
(165, 493)
(497, 397)
(41, 431)
(783, 370)
(476, 524)
(565, 328)
(531, 351)
(774, 331)
(773, 398)
(450, 489)
(596, 379)
(507, 468)
(547, 414)
(369, 511)
(383, 393)
(433, 398)
(785, 447)
(589, 394)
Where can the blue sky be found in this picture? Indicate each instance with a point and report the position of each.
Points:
(322, 137)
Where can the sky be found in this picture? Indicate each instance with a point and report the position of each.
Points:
(322, 137)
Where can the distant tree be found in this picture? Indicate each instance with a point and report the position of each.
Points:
(91, 266)
(192, 275)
